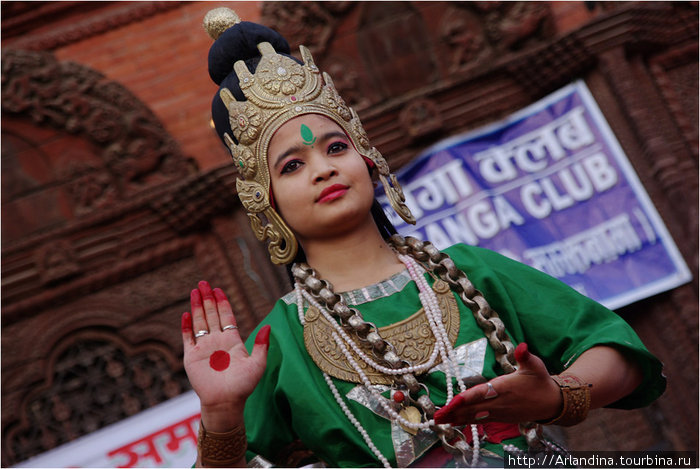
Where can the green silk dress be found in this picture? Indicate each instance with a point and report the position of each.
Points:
(293, 402)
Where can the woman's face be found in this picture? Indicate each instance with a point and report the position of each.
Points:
(320, 183)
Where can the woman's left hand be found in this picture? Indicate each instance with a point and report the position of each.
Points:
(529, 394)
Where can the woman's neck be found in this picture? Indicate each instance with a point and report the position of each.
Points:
(353, 261)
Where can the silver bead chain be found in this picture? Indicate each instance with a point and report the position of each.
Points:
(441, 265)
(320, 294)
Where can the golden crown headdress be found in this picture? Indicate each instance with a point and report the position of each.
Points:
(279, 90)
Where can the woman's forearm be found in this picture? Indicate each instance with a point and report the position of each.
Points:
(222, 418)
(222, 435)
(612, 375)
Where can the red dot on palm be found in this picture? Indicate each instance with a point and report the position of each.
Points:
(219, 360)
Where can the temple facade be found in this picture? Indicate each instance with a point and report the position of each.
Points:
(117, 195)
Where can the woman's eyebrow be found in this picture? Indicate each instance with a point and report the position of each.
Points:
(296, 148)
(289, 151)
(333, 134)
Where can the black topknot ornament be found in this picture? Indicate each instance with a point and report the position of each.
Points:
(218, 20)
(235, 40)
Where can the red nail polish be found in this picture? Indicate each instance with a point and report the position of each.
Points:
(195, 298)
(442, 416)
(263, 337)
(521, 353)
(220, 295)
(446, 413)
(205, 288)
(186, 322)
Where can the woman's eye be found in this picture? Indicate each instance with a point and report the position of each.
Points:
(290, 166)
(337, 147)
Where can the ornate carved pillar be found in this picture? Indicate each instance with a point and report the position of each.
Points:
(107, 227)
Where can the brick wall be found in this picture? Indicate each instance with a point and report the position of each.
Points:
(160, 57)
(163, 61)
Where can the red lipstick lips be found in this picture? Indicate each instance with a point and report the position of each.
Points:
(332, 192)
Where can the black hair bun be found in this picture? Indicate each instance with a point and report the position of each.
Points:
(240, 42)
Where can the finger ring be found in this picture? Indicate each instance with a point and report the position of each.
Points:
(230, 326)
(490, 392)
(201, 333)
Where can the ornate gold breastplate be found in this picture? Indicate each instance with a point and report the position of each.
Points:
(412, 338)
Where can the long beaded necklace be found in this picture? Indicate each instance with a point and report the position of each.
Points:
(305, 276)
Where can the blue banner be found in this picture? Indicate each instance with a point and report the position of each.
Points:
(550, 187)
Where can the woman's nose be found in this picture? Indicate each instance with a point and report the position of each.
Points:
(324, 169)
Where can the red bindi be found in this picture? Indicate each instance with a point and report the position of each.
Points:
(219, 360)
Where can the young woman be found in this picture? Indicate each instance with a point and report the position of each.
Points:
(414, 362)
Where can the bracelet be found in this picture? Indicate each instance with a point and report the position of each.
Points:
(221, 449)
(576, 395)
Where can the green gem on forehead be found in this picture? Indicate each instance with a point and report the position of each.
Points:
(307, 135)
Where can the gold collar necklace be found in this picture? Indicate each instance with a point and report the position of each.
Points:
(412, 410)
(347, 360)
(412, 339)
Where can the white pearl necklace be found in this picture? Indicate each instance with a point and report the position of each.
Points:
(355, 422)
(442, 347)
(432, 307)
(365, 358)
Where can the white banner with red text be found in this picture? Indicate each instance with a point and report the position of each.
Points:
(162, 436)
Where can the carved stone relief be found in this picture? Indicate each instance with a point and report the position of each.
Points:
(511, 25)
(134, 150)
(349, 80)
(420, 117)
(23, 16)
(463, 33)
(394, 43)
(96, 379)
(474, 31)
(304, 23)
(84, 156)
(56, 260)
(676, 74)
(143, 240)
(393, 40)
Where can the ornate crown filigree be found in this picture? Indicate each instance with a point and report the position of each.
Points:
(279, 90)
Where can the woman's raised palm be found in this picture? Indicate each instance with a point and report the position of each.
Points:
(217, 363)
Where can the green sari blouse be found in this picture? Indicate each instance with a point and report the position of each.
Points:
(293, 401)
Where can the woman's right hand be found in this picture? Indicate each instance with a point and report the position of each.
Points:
(218, 365)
